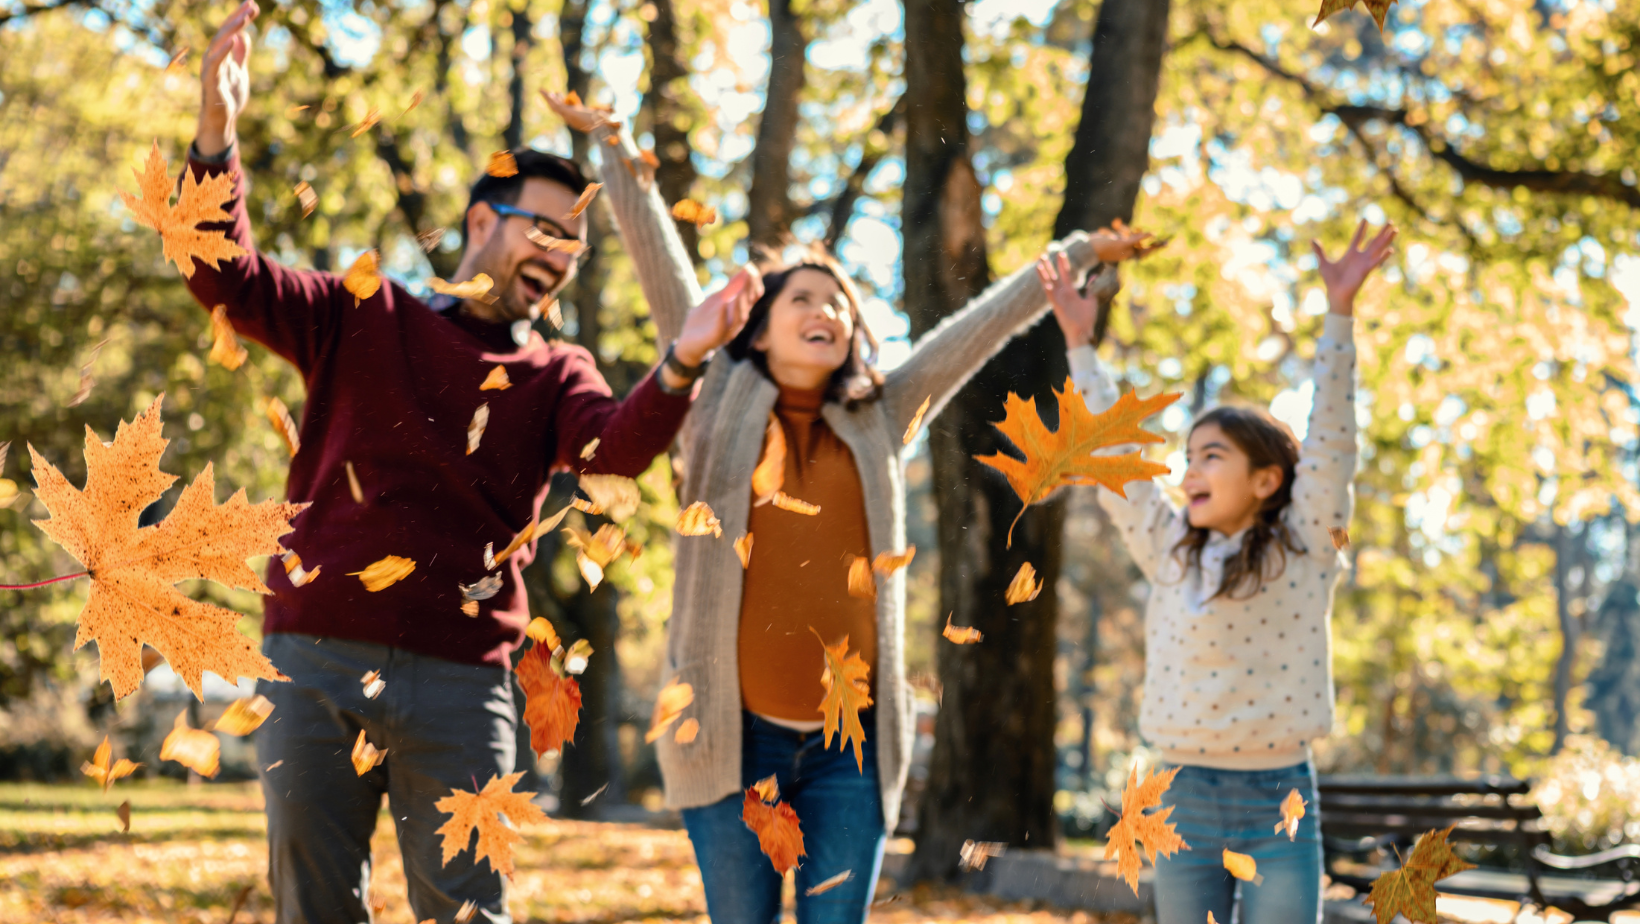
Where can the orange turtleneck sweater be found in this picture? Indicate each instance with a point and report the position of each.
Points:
(798, 575)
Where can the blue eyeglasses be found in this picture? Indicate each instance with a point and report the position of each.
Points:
(545, 228)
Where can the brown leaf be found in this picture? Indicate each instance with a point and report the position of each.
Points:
(178, 226)
(1137, 831)
(427, 240)
(585, 200)
(617, 495)
(497, 380)
(366, 755)
(199, 751)
(384, 572)
(916, 421)
(786, 502)
(225, 349)
(415, 100)
(1378, 8)
(284, 425)
(596, 550)
(482, 811)
(1292, 809)
(133, 569)
(743, 548)
(669, 704)
(371, 117)
(552, 707)
(770, 473)
(691, 211)
(475, 428)
(697, 519)
(124, 811)
(580, 116)
(847, 692)
(547, 242)
(502, 164)
(244, 715)
(363, 277)
(1340, 537)
(306, 198)
(1024, 586)
(105, 774)
(778, 833)
(353, 486)
(962, 635)
(973, 854)
(291, 111)
(861, 583)
(831, 883)
(175, 67)
(1119, 242)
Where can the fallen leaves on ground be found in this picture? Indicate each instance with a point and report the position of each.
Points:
(1410, 890)
(497, 380)
(779, 835)
(225, 349)
(133, 601)
(743, 549)
(502, 164)
(617, 495)
(482, 811)
(384, 572)
(1065, 456)
(1025, 586)
(694, 212)
(366, 755)
(916, 421)
(475, 428)
(1378, 8)
(584, 201)
(364, 277)
(962, 635)
(100, 770)
(847, 692)
(1138, 830)
(244, 715)
(1242, 866)
(1292, 809)
(198, 750)
(552, 705)
(697, 519)
(669, 704)
(178, 225)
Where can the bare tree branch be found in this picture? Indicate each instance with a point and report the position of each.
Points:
(842, 207)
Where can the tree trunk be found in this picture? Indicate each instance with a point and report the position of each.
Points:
(670, 118)
(513, 136)
(1567, 547)
(769, 209)
(999, 697)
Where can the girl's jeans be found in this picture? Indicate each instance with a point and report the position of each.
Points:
(1238, 809)
(839, 809)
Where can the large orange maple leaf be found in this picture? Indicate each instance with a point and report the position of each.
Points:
(1054, 458)
(1140, 831)
(553, 700)
(133, 601)
(483, 810)
(178, 225)
(847, 692)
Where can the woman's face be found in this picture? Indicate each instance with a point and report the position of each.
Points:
(809, 330)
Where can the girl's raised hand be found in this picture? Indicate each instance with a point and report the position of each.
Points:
(1344, 276)
(1076, 313)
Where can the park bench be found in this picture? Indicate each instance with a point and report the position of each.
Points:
(1365, 820)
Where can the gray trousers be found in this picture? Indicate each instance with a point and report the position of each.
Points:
(443, 725)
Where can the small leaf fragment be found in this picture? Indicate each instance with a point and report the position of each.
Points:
(384, 572)
(687, 730)
(962, 635)
(373, 684)
(973, 854)
(890, 562)
(585, 200)
(1340, 537)
(590, 449)
(497, 379)
(698, 520)
(482, 589)
(743, 548)
(831, 883)
(306, 198)
(691, 211)
(363, 277)
(617, 495)
(475, 428)
(366, 755)
(916, 421)
(297, 574)
(353, 486)
(786, 502)
(542, 632)
(669, 704)
(861, 583)
(225, 349)
(1025, 585)
(86, 380)
(371, 117)
(429, 239)
(284, 425)
(1292, 809)
(770, 473)
(124, 813)
(477, 288)
(502, 164)
(244, 715)
(198, 750)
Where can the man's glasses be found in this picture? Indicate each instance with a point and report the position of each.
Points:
(546, 233)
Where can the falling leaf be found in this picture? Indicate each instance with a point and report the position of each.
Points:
(466, 911)
(697, 519)
(861, 583)
(691, 211)
(962, 635)
(1410, 890)
(497, 379)
(124, 812)
(373, 684)
(175, 67)
(199, 751)
(687, 730)
(595, 551)
(178, 225)
(890, 562)
(270, 767)
(384, 572)
(1242, 866)
(542, 632)
(577, 657)
(518, 541)
(502, 164)
(916, 422)
(1378, 8)
(585, 200)
(477, 288)
(743, 548)
(306, 197)
(1292, 809)
(86, 380)
(297, 574)
(847, 692)
(1210, 919)
(651, 161)
(589, 449)
(364, 277)
(482, 589)
(366, 755)
(770, 473)
(415, 100)
(100, 770)
(595, 794)
(475, 429)
(831, 883)
(552, 705)
(1024, 586)
(587, 507)
(578, 115)
(427, 240)
(1065, 456)
(291, 111)
(786, 502)
(778, 833)
(551, 312)
(353, 486)
(469, 608)
(284, 425)
(1340, 537)
(225, 349)
(482, 811)
(617, 495)
(244, 715)
(132, 600)
(547, 242)
(669, 704)
(973, 854)
(371, 117)
(1119, 242)
(1137, 830)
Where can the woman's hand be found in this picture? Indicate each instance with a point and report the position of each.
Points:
(1345, 276)
(1077, 313)
(719, 317)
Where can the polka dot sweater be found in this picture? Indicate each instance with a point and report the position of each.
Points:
(1243, 684)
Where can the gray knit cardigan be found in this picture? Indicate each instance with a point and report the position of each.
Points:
(721, 441)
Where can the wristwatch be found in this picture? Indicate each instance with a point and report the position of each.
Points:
(688, 373)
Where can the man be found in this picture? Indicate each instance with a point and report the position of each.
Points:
(391, 458)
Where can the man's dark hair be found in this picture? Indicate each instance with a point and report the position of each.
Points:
(531, 163)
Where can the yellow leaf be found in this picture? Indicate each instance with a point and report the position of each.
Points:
(617, 495)
(743, 548)
(482, 811)
(133, 568)
(1242, 866)
(770, 473)
(199, 751)
(1137, 831)
(697, 519)
(475, 429)
(502, 164)
(477, 288)
(1292, 809)
(861, 583)
(890, 562)
(962, 635)
(585, 200)
(1024, 586)
(552, 707)
(691, 211)
(279, 416)
(596, 550)
(542, 632)
(366, 755)
(225, 349)
(669, 704)
(1340, 537)
(497, 380)
(590, 449)
(687, 730)
(384, 572)
(518, 541)
(364, 277)
(1065, 456)
(100, 770)
(916, 421)
(1411, 890)
(786, 502)
(199, 201)
(847, 692)
(244, 715)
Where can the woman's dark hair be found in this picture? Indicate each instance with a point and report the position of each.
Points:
(1263, 556)
(857, 379)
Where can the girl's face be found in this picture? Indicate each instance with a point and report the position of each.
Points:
(809, 330)
(1223, 492)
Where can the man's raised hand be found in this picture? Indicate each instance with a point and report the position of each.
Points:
(1344, 277)
(225, 81)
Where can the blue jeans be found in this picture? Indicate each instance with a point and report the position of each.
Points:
(839, 808)
(1238, 809)
(443, 725)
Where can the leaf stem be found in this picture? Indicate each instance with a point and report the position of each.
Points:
(64, 577)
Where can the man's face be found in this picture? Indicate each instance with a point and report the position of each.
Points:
(523, 271)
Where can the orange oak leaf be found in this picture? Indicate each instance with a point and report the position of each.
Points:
(99, 769)
(1410, 890)
(1065, 456)
(775, 824)
(691, 211)
(552, 700)
(482, 811)
(244, 715)
(124, 813)
(199, 751)
(225, 349)
(1138, 830)
(847, 692)
(962, 635)
(669, 704)
(178, 225)
(1292, 809)
(133, 569)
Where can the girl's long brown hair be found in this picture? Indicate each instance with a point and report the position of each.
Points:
(1264, 548)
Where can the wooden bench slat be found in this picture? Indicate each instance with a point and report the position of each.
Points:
(1431, 786)
(1431, 810)
(1409, 830)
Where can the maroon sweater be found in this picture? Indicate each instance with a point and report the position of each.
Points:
(391, 387)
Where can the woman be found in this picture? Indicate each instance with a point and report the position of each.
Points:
(803, 367)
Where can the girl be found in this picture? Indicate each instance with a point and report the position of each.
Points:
(802, 367)
(1238, 665)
